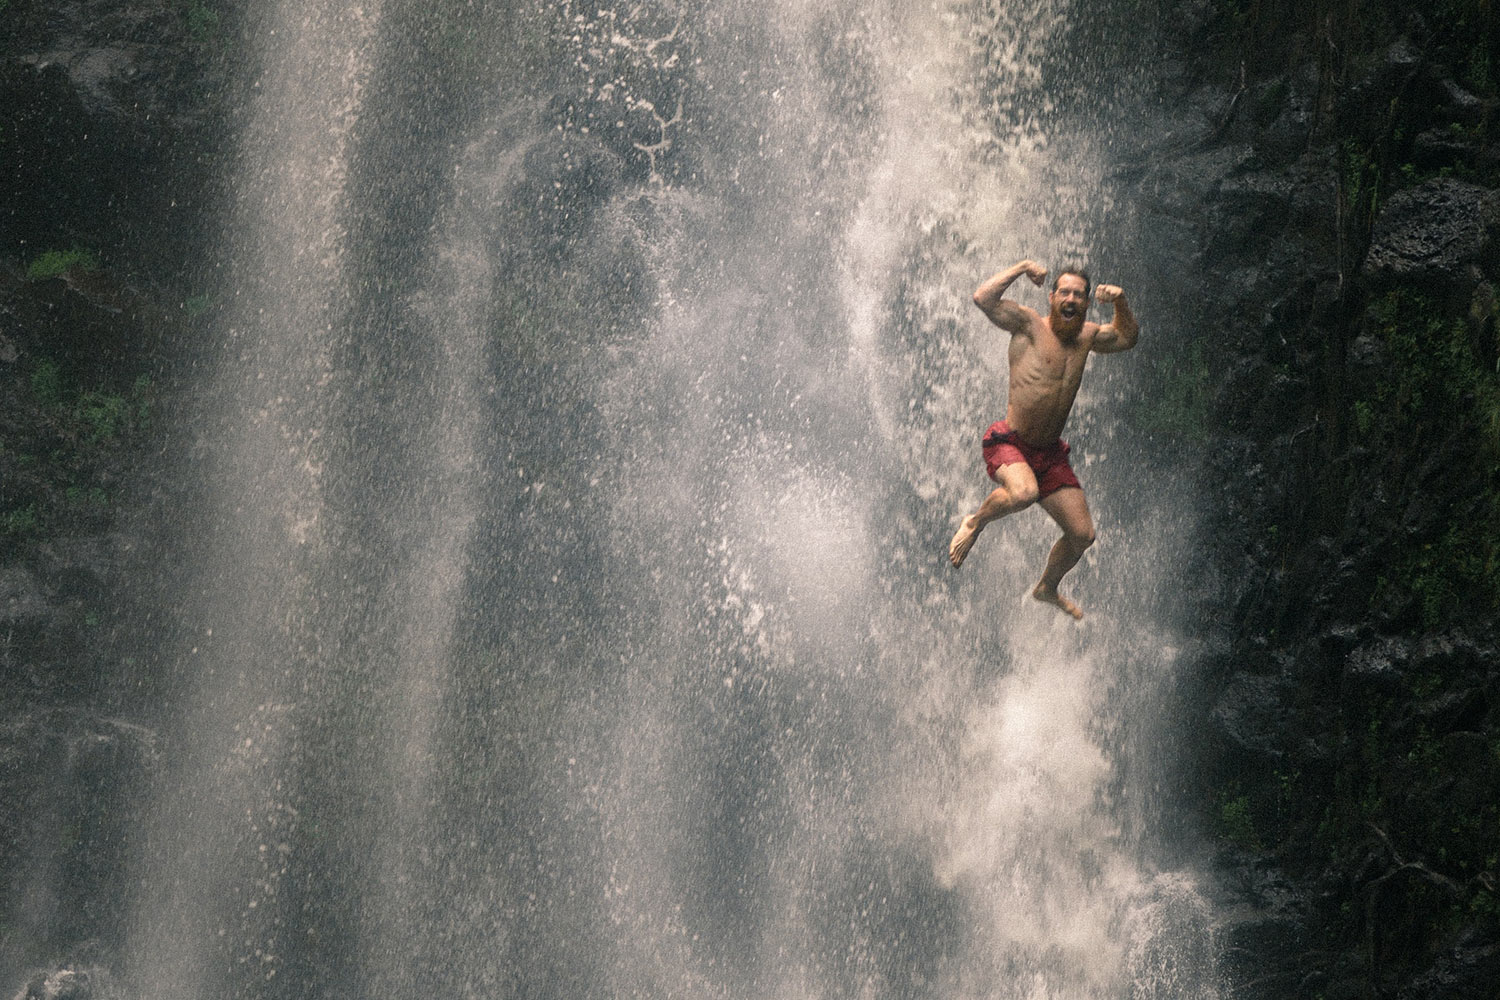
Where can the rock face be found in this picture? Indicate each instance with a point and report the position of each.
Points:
(104, 153)
(1346, 722)
(111, 119)
(76, 786)
(1435, 232)
(64, 984)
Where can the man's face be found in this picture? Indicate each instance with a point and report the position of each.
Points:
(1069, 301)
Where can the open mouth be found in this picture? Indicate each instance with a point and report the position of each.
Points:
(1068, 311)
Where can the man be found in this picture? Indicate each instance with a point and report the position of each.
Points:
(1025, 453)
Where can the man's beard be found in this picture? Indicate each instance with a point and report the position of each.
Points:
(1066, 320)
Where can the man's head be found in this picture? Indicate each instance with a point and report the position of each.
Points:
(1069, 300)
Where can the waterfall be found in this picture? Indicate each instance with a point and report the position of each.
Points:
(596, 395)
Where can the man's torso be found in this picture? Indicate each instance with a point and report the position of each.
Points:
(1045, 372)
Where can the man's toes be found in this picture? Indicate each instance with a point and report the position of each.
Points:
(963, 541)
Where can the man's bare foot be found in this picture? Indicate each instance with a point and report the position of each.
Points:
(1048, 595)
(963, 540)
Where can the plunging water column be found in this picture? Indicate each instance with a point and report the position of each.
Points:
(596, 397)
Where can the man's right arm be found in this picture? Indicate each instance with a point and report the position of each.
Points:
(990, 296)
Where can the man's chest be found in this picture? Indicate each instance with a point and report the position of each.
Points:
(1050, 360)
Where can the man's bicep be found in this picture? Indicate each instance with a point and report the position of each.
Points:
(1109, 340)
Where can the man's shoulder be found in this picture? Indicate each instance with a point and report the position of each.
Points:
(1034, 320)
(1014, 318)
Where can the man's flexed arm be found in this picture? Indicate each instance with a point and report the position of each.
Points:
(1121, 332)
(990, 296)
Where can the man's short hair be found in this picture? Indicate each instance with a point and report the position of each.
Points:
(1075, 270)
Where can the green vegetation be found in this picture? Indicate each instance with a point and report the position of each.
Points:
(22, 523)
(1178, 405)
(1260, 815)
(1434, 382)
(91, 416)
(46, 384)
(1419, 792)
(202, 23)
(103, 417)
(1359, 185)
(1236, 823)
(75, 427)
(56, 262)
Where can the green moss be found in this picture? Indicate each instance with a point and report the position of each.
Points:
(46, 384)
(1179, 404)
(1271, 102)
(1435, 384)
(20, 524)
(103, 417)
(1359, 183)
(56, 262)
(202, 23)
(1479, 73)
(93, 416)
(1236, 822)
(87, 499)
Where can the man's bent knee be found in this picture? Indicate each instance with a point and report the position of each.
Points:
(1081, 540)
(1013, 493)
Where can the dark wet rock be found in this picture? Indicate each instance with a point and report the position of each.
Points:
(1238, 402)
(1388, 78)
(54, 613)
(1381, 663)
(102, 331)
(1264, 929)
(1468, 972)
(1348, 737)
(1179, 185)
(1431, 232)
(1284, 113)
(74, 787)
(21, 598)
(1250, 717)
(1462, 104)
(1444, 148)
(111, 110)
(1252, 207)
(66, 984)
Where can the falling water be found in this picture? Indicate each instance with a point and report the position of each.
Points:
(598, 392)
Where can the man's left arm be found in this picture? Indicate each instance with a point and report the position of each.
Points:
(1121, 332)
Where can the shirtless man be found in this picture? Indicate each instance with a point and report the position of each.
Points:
(1025, 453)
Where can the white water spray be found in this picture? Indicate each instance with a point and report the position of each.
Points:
(690, 361)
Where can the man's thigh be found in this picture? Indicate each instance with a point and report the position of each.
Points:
(1018, 479)
(1070, 510)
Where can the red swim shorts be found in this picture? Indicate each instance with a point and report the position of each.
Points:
(1049, 462)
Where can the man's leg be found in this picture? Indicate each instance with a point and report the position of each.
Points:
(1071, 511)
(1017, 491)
